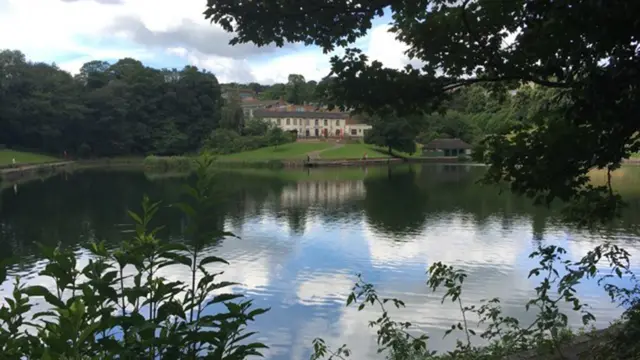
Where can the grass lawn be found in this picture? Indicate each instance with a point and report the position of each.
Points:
(290, 151)
(7, 156)
(354, 151)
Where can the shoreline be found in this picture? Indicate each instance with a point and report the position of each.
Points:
(342, 162)
(10, 175)
(16, 174)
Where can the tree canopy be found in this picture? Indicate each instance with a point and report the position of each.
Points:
(106, 109)
(585, 52)
(297, 90)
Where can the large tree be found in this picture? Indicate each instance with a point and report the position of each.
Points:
(297, 90)
(587, 51)
(273, 92)
(393, 132)
(232, 114)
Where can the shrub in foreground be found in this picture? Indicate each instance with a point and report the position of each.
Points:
(505, 335)
(119, 306)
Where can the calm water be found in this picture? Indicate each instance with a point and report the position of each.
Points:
(304, 236)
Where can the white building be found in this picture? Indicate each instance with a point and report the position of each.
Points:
(315, 123)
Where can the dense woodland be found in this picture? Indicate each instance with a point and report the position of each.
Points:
(106, 109)
(124, 108)
(127, 108)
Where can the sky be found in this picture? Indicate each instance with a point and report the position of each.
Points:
(164, 33)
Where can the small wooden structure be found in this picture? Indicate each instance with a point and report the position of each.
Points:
(449, 147)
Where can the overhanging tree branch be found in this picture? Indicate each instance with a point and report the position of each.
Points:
(466, 82)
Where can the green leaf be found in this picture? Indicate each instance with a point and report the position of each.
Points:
(618, 272)
(178, 258)
(212, 259)
(88, 332)
(46, 355)
(257, 312)
(224, 298)
(351, 298)
(38, 290)
(186, 209)
(44, 313)
(171, 308)
(134, 216)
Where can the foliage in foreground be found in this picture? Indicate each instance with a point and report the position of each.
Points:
(106, 110)
(119, 306)
(505, 335)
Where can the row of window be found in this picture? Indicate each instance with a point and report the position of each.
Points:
(325, 132)
(308, 122)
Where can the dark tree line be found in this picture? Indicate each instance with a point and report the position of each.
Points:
(106, 109)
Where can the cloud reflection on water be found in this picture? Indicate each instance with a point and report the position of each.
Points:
(303, 241)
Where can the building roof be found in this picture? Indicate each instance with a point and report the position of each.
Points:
(252, 103)
(353, 121)
(447, 144)
(301, 114)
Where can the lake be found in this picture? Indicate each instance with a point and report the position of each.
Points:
(305, 234)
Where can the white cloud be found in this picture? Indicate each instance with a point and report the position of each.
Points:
(443, 243)
(318, 289)
(383, 47)
(72, 32)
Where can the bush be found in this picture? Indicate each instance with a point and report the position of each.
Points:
(276, 137)
(224, 141)
(505, 335)
(118, 306)
(256, 127)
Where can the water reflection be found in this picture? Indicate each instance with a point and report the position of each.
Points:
(305, 234)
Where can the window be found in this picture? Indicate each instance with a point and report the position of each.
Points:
(307, 122)
(337, 122)
(354, 132)
(316, 122)
(295, 121)
(325, 122)
(279, 122)
(288, 121)
(300, 109)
